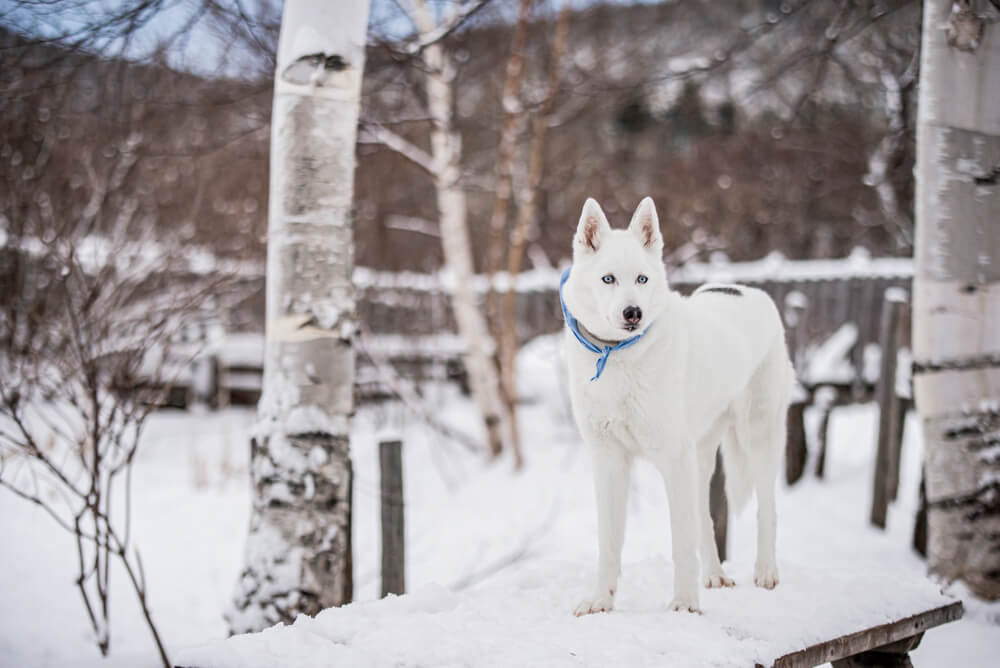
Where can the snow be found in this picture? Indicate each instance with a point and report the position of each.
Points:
(435, 626)
(830, 361)
(495, 560)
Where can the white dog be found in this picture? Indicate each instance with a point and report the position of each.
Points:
(668, 377)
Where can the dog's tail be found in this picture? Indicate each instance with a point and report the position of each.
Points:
(739, 484)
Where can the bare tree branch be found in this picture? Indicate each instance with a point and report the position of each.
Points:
(371, 133)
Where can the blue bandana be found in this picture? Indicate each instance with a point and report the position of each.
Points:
(601, 351)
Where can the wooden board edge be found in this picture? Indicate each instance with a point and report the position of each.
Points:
(868, 639)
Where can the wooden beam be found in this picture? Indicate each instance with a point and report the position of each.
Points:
(893, 655)
(869, 639)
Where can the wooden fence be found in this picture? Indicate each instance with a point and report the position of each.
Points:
(409, 324)
(829, 302)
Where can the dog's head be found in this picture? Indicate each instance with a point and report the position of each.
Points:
(618, 285)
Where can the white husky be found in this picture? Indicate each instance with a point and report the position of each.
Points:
(668, 377)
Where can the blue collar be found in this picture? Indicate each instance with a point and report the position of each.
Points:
(602, 351)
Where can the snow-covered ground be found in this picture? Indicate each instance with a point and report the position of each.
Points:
(476, 534)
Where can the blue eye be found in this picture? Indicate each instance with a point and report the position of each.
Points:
(641, 279)
(608, 278)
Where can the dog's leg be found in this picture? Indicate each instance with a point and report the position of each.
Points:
(612, 467)
(712, 574)
(764, 468)
(680, 475)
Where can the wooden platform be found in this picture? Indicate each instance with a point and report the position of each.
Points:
(858, 613)
(883, 645)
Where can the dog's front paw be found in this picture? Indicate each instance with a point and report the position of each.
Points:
(683, 603)
(718, 579)
(765, 575)
(598, 603)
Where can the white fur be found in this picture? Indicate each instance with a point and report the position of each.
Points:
(711, 368)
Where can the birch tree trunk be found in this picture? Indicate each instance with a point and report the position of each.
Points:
(508, 341)
(956, 318)
(446, 153)
(513, 112)
(298, 551)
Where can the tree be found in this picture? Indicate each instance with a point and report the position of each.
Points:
(513, 113)
(443, 164)
(298, 552)
(526, 213)
(956, 316)
(85, 357)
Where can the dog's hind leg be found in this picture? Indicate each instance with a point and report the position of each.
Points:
(612, 468)
(767, 430)
(712, 574)
(767, 441)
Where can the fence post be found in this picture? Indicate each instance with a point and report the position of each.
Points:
(900, 406)
(393, 550)
(718, 506)
(824, 399)
(886, 460)
(796, 304)
(920, 522)
(796, 449)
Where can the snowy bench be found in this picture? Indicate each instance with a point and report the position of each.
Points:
(886, 645)
(860, 613)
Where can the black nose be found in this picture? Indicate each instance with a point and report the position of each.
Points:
(632, 314)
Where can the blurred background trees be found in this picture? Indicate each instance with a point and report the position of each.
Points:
(760, 125)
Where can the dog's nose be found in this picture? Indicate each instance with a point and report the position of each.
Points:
(632, 314)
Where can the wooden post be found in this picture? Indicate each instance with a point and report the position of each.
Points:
(393, 542)
(858, 310)
(795, 307)
(824, 399)
(796, 450)
(718, 507)
(899, 409)
(920, 521)
(885, 395)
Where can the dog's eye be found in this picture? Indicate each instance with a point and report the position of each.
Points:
(608, 278)
(641, 279)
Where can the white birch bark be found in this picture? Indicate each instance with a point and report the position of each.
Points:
(298, 552)
(446, 152)
(956, 317)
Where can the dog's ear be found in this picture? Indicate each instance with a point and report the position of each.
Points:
(645, 224)
(592, 229)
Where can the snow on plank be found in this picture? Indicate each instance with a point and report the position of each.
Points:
(816, 614)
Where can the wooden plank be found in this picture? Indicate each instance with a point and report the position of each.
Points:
(869, 639)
